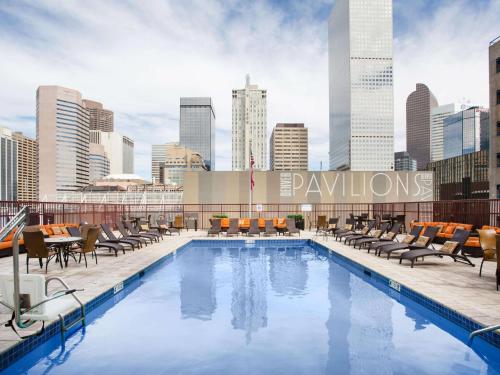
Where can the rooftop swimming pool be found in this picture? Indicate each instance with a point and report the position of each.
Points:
(269, 307)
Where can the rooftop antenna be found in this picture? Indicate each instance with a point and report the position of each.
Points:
(247, 79)
(321, 165)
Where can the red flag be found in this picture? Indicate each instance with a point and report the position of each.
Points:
(252, 163)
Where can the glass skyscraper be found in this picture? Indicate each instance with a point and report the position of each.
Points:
(197, 128)
(361, 86)
(463, 131)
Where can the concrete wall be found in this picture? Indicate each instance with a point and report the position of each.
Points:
(308, 187)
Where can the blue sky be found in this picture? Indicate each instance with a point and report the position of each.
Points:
(138, 58)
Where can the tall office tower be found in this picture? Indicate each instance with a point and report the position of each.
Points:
(119, 150)
(27, 176)
(462, 132)
(170, 161)
(98, 162)
(361, 86)
(197, 128)
(62, 130)
(494, 171)
(249, 127)
(289, 148)
(404, 162)
(438, 114)
(100, 118)
(8, 166)
(418, 124)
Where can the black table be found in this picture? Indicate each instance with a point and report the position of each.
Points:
(62, 244)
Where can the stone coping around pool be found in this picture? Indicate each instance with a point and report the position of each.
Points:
(18, 349)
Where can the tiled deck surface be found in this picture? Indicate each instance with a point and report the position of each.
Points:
(454, 285)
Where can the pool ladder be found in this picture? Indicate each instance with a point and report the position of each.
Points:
(483, 330)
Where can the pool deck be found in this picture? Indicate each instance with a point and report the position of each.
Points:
(455, 285)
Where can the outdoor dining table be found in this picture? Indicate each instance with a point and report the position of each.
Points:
(62, 245)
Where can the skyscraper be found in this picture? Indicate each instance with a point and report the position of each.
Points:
(8, 166)
(361, 86)
(289, 148)
(197, 128)
(119, 150)
(27, 175)
(100, 118)
(249, 127)
(418, 124)
(438, 114)
(494, 171)
(62, 129)
(404, 162)
(98, 162)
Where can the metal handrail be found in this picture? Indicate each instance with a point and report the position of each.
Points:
(483, 330)
(19, 218)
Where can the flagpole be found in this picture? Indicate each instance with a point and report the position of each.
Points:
(250, 190)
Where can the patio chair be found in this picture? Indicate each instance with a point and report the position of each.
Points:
(178, 222)
(144, 228)
(451, 248)
(36, 248)
(254, 228)
(75, 232)
(234, 228)
(363, 241)
(321, 223)
(123, 231)
(488, 242)
(422, 242)
(415, 231)
(124, 240)
(291, 228)
(162, 224)
(216, 228)
(270, 229)
(134, 232)
(88, 246)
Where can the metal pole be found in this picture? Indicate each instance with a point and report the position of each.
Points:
(15, 258)
(249, 193)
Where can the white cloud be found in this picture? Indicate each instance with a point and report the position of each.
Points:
(140, 58)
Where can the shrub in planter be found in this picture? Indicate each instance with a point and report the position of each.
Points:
(220, 216)
(299, 221)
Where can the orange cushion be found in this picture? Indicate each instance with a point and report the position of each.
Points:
(449, 229)
(224, 222)
(262, 222)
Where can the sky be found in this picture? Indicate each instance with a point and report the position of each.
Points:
(139, 57)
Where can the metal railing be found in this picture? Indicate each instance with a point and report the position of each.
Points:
(477, 212)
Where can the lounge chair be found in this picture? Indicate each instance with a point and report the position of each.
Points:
(450, 248)
(144, 228)
(234, 228)
(254, 228)
(36, 248)
(134, 232)
(75, 232)
(333, 223)
(422, 242)
(143, 238)
(390, 236)
(162, 224)
(413, 235)
(291, 228)
(365, 240)
(356, 235)
(216, 228)
(124, 240)
(348, 227)
(88, 245)
(270, 229)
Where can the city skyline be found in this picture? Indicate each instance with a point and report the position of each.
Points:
(149, 102)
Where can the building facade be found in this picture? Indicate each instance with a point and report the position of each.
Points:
(419, 106)
(494, 74)
(8, 165)
(62, 129)
(171, 160)
(119, 150)
(463, 132)
(361, 85)
(249, 127)
(404, 162)
(27, 175)
(99, 118)
(98, 162)
(289, 148)
(438, 114)
(197, 128)
(461, 177)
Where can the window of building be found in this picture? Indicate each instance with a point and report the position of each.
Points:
(498, 160)
(498, 191)
(498, 65)
(498, 127)
(498, 96)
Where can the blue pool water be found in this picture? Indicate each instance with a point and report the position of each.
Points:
(260, 310)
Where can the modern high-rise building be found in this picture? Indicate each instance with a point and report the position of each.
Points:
(289, 148)
(62, 129)
(119, 150)
(100, 118)
(8, 166)
(419, 106)
(98, 162)
(438, 114)
(249, 125)
(462, 132)
(27, 175)
(197, 128)
(494, 171)
(404, 162)
(361, 86)
(170, 161)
